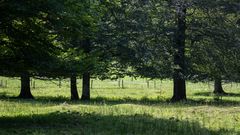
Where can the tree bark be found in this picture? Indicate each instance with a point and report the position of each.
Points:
(179, 88)
(74, 92)
(218, 89)
(25, 87)
(86, 76)
(86, 86)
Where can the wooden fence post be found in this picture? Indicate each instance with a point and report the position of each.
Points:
(119, 83)
(59, 83)
(147, 84)
(122, 84)
(91, 84)
(34, 84)
(31, 82)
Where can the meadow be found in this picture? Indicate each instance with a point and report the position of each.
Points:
(141, 107)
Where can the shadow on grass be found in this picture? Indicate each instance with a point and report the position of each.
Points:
(49, 101)
(212, 94)
(91, 123)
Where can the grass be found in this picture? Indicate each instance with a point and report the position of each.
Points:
(136, 109)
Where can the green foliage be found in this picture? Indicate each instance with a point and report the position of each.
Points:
(112, 39)
(28, 43)
(214, 41)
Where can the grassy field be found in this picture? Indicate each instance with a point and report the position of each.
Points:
(140, 108)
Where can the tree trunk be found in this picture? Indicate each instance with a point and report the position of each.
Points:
(218, 89)
(179, 88)
(86, 86)
(25, 87)
(86, 76)
(74, 92)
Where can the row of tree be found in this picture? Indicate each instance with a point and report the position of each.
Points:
(193, 40)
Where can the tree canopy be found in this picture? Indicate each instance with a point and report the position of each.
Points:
(178, 39)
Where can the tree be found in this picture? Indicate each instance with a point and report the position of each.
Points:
(182, 27)
(28, 46)
(179, 54)
(80, 40)
(214, 42)
(137, 23)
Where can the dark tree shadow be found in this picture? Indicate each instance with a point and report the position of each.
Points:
(4, 95)
(51, 101)
(91, 123)
(212, 94)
